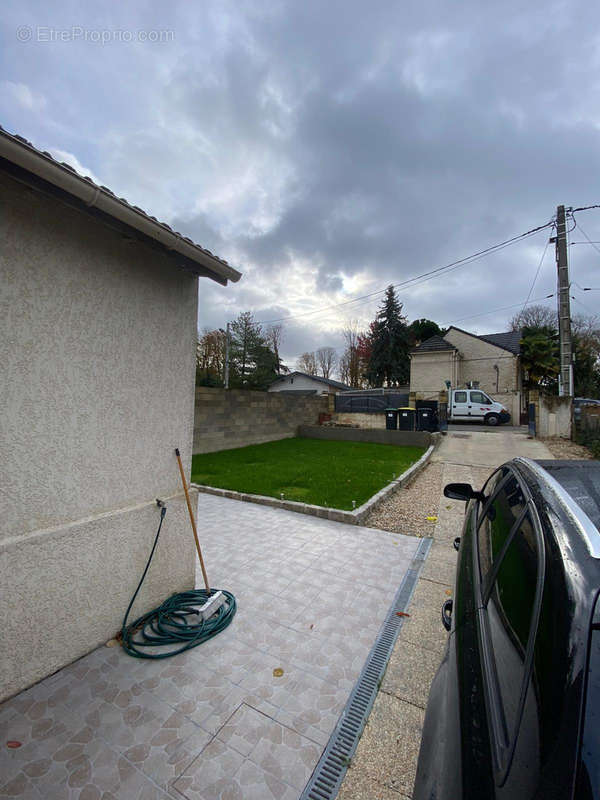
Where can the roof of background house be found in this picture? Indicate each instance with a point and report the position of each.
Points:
(18, 155)
(511, 340)
(327, 381)
(505, 341)
(433, 343)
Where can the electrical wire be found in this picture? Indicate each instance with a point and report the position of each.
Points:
(537, 272)
(416, 279)
(594, 245)
(168, 624)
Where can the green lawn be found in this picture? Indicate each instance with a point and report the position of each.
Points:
(316, 471)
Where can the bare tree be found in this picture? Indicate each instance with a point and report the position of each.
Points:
(534, 317)
(307, 363)
(326, 360)
(274, 337)
(351, 355)
(344, 367)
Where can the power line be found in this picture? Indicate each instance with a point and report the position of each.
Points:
(583, 208)
(419, 278)
(589, 240)
(537, 272)
(502, 308)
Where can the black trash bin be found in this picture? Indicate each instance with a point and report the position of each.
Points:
(406, 419)
(391, 419)
(426, 419)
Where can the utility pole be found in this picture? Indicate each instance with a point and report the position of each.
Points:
(226, 381)
(565, 379)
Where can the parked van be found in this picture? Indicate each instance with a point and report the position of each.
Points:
(473, 404)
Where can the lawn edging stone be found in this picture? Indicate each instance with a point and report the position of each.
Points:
(354, 517)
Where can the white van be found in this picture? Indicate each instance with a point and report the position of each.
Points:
(473, 404)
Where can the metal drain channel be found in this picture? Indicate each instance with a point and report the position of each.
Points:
(329, 773)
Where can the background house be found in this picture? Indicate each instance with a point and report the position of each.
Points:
(460, 357)
(308, 384)
(98, 340)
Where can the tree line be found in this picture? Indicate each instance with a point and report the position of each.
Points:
(540, 350)
(378, 356)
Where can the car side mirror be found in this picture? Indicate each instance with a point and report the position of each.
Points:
(462, 491)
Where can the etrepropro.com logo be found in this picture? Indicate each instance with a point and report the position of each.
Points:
(103, 36)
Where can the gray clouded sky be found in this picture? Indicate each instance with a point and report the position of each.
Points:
(327, 149)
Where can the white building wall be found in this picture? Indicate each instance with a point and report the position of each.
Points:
(97, 348)
(300, 382)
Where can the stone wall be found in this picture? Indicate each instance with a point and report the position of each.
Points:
(478, 362)
(362, 420)
(225, 419)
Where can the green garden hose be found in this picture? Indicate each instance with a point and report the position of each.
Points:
(168, 624)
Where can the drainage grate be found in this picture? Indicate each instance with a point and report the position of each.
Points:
(326, 780)
(461, 435)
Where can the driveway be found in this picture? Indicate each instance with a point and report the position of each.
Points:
(473, 447)
(384, 765)
(217, 721)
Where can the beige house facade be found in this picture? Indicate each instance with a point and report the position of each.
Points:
(459, 357)
(97, 345)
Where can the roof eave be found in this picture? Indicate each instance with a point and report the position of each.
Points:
(20, 152)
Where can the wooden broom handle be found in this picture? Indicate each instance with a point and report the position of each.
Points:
(192, 520)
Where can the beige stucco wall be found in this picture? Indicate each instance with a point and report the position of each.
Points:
(372, 421)
(477, 360)
(97, 347)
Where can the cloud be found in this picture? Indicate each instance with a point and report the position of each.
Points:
(328, 151)
(24, 96)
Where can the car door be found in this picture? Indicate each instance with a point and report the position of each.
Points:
(509, 576)
(460, 404)
(479, 404)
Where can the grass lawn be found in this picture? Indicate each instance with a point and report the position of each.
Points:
(316, 471)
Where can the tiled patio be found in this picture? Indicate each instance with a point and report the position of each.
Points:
(214, 722)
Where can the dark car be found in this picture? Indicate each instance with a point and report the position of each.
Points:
(514, 710)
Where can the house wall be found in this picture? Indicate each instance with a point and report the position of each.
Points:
(237, 417)
(300, 382)
(477, 360)
(97, 345)
(430, 370)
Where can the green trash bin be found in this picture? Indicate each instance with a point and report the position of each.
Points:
(391, 419)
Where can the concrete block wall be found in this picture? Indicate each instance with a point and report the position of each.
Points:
(370, 421)
(374, 436)
(225, 419)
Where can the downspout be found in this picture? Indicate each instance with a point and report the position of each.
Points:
(497, 368)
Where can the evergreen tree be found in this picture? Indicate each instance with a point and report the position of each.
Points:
(252, 363)
(540, 358)
(390, 340)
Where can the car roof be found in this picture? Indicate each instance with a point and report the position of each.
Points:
(581, 480)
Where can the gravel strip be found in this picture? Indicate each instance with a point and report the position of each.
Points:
(406, 510)
(565, 448)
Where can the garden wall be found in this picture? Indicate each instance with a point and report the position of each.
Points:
(225, 419)
(373, 435)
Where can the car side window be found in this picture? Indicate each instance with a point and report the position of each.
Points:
(460, 397)
(498, 517)
(478, 397)
(511, 616)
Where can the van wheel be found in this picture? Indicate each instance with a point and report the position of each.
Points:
(492, 419)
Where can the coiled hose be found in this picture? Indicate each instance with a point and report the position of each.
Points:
(168, 624)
